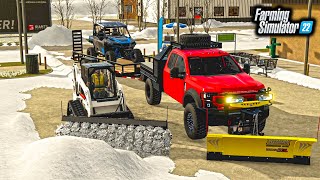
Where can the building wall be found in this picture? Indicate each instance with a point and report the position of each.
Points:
(134, 13)
(294, 47)
(244, 8)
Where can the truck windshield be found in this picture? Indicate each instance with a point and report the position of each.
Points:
(213, 66)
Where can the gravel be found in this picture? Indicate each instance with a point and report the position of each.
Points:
(144, 141)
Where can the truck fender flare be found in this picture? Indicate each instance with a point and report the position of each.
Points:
(192, 95)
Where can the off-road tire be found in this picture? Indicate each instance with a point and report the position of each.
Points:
(137, 56)
(194, 122)
(91, 52)
(111, 56)
(153, 96)
(196, 40)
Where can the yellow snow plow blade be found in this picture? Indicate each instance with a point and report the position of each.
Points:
(259, 148)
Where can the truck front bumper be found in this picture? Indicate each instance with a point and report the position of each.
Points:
(235, 113)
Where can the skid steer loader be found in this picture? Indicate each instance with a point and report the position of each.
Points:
(99, 111)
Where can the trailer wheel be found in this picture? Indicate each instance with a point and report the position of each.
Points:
(196, 40)
(153, 96)
(194, 122)
(137, 56)
(91, 52)
(111, 56)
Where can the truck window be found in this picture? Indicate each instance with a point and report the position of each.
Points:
(213, 66)
(180, 64)
(172, 61)
(230, 64)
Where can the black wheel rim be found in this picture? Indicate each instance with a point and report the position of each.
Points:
(190, 122)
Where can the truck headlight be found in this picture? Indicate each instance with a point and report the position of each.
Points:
(234, 99)
(265, 97)
(207, 96)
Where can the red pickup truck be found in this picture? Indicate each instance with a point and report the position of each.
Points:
(211, 86)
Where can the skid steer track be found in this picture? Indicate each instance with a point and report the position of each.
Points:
(75, 107)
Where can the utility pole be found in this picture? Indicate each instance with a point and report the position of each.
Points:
(158, 18)
(19, 30)
(306, 57)
(178, 22)
(24, 23)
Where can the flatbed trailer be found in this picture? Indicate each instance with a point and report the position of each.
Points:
(123, 68)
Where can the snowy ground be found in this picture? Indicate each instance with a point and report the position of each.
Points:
(24, 156)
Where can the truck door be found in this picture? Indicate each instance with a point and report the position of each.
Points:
(174, 87)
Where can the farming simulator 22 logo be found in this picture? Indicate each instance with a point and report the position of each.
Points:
(277, 21)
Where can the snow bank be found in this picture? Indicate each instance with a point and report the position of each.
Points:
(80, 158)
(291, 77)
(216, 24)
(55, 35)
(131, 27)
(149, 33)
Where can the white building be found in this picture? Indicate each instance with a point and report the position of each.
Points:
(221, 10)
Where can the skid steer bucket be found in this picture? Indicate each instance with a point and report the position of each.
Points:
(144, 137)
(259, 148)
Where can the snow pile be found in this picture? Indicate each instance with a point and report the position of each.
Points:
(291, 77)
(216, 24)
(131, 27)
(55, 35)
(213, 23)
(144, 141)
(149, 33)
(80, 158)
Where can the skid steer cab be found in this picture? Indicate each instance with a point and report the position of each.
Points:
(96, 92)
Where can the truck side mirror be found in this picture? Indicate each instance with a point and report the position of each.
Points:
(174, 72)
(246, 68)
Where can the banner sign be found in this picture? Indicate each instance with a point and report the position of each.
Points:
(38, 15)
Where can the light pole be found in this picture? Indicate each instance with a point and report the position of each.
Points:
(19, 30)
(306, 55)
(178, 22)
(24, 23)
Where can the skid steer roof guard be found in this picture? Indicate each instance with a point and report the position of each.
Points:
(259, 148)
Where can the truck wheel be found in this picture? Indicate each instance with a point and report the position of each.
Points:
(195, 40)
(111, 56)
(194, 122)
(137, 56)
(91, 52)
(153, 96)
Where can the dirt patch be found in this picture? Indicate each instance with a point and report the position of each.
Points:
(45, 108)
